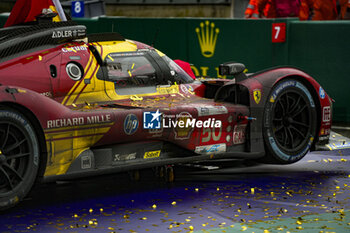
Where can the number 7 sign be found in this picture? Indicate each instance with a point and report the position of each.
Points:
(278, 32)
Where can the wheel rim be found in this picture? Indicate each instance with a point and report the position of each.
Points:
(15, 151)
(291, 121)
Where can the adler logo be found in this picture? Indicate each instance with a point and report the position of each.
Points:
(207, 36)
(61, 34)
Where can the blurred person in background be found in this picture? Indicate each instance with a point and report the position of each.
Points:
(306, 10)
(251, 11)
(331, 9)
(278, 8)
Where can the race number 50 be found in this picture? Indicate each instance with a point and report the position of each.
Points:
(278, 32)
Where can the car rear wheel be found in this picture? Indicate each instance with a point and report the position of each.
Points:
(289, 122)
(19, 157)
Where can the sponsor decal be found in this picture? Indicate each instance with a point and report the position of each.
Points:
(131, 124)
(322, 93)
(211, 149)
(74, 49)
(74, 57)
(123, 157)
(324, 131)
(207, 36)
(62, 34)
(77, 121)
(151, 120)
(326, 114)
(156, 132)
(182, 128)
(68, 33)
(239, 134)
(191, 122)
(257, 96)
(47, 94)
(323, 138)
(167, 89)
(183, 123)
(152, 154)
(86, 162)
(184, 89)
(211, 110)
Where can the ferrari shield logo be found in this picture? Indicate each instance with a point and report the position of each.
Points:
(257, 96)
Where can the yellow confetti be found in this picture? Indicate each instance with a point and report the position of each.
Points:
(252, 190)
(299, 222)
(143, 218)
(217, 189)
(154, 206)
(299, 227)
(267, 231)
(191, 228)
(272, 194)
(170, 226)
(244, 228)
(101, 209)
(91, 210)
(188, 220)
(75, 216)
(173, 203)
(40, 58)
(196, 189)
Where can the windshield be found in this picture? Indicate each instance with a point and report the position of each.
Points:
(177, 71)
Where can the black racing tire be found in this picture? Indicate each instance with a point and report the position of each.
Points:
(19, 157)
(290, 122)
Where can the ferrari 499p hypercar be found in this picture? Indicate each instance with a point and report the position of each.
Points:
(73, 105)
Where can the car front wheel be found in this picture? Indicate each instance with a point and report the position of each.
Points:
(289, 122)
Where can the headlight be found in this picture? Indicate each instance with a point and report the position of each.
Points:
(74, 71)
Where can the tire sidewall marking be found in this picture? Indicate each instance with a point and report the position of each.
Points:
(267, 119)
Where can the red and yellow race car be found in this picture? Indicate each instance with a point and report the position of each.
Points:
(74, 105)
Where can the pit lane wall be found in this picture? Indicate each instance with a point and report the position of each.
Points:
(322, 48)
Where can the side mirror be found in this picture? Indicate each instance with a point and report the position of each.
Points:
(233, 69)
